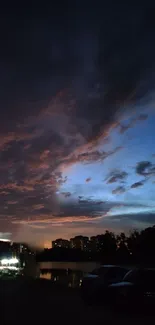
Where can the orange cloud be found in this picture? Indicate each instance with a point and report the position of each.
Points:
(6, 138)
(12, 202)
(44, 155)
(4, 192)
(18, 136)
(15, 186)
(47, 219)
(38, 206)
(36, 181)
(38, 165)
(27, 146)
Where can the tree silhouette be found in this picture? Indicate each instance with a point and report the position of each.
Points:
(107, 245)
(137, 248)
(147, 245)
(122, 248)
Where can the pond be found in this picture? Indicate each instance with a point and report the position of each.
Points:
(65, 273)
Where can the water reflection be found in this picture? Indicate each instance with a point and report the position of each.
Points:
(64, 277)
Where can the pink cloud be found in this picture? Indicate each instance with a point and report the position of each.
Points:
(15, 186)
(12, 202)
(50, 219)
(38, 206)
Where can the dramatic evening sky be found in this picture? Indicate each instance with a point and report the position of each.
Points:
(77, 119)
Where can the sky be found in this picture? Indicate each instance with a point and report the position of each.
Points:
(77, 117)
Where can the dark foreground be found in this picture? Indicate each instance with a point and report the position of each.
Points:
(26, 301)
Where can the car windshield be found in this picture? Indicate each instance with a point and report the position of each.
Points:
(99, 271)
(130, 276)
(140, 276)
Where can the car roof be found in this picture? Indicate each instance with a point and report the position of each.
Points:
(107, 265)
(144, 269)
(111, 265)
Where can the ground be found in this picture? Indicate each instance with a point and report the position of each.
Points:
(39, 302)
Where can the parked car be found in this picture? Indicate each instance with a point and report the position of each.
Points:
(136, 288)
(95, 284)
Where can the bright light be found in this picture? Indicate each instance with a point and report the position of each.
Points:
(8, 261)
(13, 261)
(14, 268)
(4, 261)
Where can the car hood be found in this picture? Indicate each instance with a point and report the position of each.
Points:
(121, 284)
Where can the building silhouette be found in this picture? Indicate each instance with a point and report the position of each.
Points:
(80, 242)
(61, 243)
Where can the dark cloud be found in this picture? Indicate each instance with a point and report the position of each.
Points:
(145, 168)
(142, 117)
(142, 167)
(137, 184)
(84, 58)
(119, 190)
(88, 179)
(131, 123)
(66, 194)
(89, 157)
(69, 210)
(116, 176)
(65, 74)
(146, 218)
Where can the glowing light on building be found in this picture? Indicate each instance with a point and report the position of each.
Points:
(9, 261)
(13, 268)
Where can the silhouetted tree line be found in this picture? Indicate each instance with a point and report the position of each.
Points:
(137, 248)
